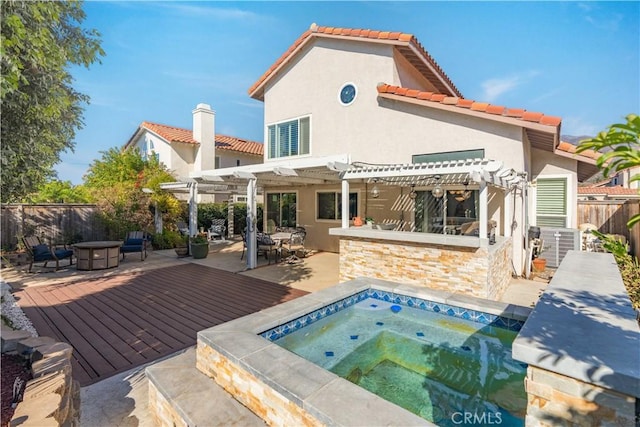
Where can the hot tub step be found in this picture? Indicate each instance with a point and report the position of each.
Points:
(179, 394)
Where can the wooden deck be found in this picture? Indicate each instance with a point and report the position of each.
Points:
(120, 322)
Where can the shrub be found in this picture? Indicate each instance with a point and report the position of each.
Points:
(167, 240)
(628, 265)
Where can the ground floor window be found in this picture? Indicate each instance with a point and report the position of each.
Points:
(551, 202)
(446, 214)
(329, 205)
(281, 209)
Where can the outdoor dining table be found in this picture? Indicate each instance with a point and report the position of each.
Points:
(279, 238)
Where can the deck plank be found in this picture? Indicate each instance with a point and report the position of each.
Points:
(119, 322)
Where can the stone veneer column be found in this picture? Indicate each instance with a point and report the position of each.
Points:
(558, 400)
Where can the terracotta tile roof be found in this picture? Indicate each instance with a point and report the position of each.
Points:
(609, 191)
(567, 147)
(224, 142)
(484, 107)
(409, 47)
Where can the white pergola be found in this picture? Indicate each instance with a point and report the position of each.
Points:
(447, 173)
(339, 168)
(248, 178)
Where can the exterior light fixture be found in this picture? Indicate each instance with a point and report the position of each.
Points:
(437, 191)
(375, 191)
(413, 194)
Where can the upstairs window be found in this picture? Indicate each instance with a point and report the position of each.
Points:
(288, 139)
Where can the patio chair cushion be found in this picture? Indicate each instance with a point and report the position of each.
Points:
(41, 252)
(131, 248)
(63, 253)
(132, 242)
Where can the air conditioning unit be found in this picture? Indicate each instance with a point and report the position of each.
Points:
(557, 242)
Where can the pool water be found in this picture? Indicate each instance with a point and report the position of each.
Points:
(436, 366)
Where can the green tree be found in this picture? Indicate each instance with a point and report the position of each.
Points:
(56, 191)
(40, 109)
(620, 148)
(116, 181)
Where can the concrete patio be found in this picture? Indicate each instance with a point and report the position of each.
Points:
(122, 400)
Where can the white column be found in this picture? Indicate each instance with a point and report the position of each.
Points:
(345, 203)
(193, 209)
(157, 218)
(484, 211)
(252, 249)
(507, 212)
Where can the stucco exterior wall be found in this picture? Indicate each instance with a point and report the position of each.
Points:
(229, 159)
(368, 127)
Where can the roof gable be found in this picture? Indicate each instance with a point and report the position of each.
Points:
(174, 134)
(406, 44)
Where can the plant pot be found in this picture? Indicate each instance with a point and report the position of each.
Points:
(182, 251)
(539, 264)
(357, 221)
(199, 250)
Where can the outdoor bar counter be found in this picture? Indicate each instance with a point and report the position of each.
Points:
(452, 263)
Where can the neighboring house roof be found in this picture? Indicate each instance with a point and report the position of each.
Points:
(617, 191)
(185, 136)
(406, 44)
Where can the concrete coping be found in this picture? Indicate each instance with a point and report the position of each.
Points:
(414, 237)
(313, 388)
(584, 326)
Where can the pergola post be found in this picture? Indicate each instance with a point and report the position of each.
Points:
(345, 204)
(230, 207)
(506, 218)
(251, 237)
(484, 209)
(193, 209)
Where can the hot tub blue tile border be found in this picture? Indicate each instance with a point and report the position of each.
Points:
(377, 294)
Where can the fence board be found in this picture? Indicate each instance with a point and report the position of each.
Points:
(58, 223)
(611, 216)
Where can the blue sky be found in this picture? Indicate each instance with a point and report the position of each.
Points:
(576, 60)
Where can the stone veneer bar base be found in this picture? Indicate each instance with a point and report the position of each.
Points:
(482, 272)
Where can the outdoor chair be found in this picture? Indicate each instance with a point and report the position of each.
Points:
(183, 228)
(217, 229)
(39, 252)
(295, 244)
(135, 242)
(264, 244)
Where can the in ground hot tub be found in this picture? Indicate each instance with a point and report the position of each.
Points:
(370, 352)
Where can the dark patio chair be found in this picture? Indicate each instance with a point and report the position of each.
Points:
(39, 252)
(135, 242)
(264, 244)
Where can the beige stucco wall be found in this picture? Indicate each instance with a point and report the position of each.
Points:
(373, 129)
(229, 159)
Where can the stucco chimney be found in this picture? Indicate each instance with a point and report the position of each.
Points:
(204, 132)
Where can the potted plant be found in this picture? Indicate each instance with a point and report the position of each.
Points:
(369, 220)
(182, 246)
(199, 246)
(539, 264)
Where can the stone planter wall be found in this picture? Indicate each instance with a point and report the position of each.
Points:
(52, 397)
(581, 344)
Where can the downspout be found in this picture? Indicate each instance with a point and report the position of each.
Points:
(525, 212)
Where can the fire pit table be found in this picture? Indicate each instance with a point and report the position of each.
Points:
(98, 255)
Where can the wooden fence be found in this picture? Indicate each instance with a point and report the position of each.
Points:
(611, 216)
(57, 223)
